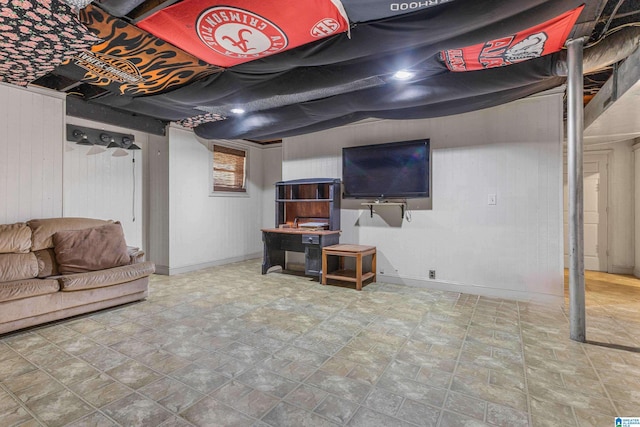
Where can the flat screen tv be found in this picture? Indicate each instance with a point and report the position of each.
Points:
(386, 171)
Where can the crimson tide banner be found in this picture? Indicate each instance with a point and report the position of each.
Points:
(543, 39)
(244, 30)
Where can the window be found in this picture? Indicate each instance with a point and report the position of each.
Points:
(229, 169)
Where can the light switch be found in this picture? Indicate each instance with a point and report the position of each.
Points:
(492, 199)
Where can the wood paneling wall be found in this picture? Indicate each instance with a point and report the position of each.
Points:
(199, 230)
(272, 173)
(512, 249)
(31, 147)
(107, 187)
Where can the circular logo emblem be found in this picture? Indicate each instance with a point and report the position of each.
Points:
(325, 27)
(238, 33)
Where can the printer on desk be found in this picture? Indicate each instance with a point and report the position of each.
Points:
(311, 223)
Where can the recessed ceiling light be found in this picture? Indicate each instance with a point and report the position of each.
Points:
(403, 75)
(237, 111)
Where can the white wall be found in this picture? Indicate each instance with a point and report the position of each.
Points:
(187, 229)
(512, 249)
(204, 230)
(502, 146)
(621, 208)
(157, 202)
(31, 147)
(43, 176)
(106, 187)
(271, 173)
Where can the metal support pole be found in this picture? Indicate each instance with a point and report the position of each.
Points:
(575, 125)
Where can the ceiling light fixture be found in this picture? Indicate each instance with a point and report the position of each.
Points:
(82, 137)
(237, 110)
(96, 149)
(105, 138)
(119, 152)
(403, 75)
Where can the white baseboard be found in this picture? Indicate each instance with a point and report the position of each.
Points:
(616, 269)
(162, 269)
(550, 299)
(168, 271)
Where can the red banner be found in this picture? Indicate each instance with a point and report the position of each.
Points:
(543, 39)
(243, 30)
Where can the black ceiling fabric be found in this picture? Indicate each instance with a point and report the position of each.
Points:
(445, 94)
(428, 111)
(339, 80)
(451, 25)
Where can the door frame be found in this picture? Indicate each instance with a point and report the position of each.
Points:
(597, 155)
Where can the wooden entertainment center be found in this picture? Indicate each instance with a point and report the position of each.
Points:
(307, 219)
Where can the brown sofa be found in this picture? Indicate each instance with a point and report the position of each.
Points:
(60, 267)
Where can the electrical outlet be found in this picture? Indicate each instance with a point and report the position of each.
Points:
(432, 274)
(492, 199)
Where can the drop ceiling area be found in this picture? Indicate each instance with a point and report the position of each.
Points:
(125, 62)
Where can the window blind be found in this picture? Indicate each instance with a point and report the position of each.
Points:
(229, 169)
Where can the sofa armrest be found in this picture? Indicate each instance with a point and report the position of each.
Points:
(104, 278)
(136, 255)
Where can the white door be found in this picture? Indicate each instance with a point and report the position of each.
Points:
(595, 213)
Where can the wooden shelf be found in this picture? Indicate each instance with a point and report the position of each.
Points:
(349, 251)
(304, 200)
(383, 203)
(348, 275)
(403, 206)
(311, 202)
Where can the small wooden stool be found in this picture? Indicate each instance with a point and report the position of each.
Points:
(357, 251)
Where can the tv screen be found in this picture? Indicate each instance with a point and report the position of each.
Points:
(384, 171)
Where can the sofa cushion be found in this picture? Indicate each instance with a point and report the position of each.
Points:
(136, 255)
(90, 249)
(44, 229)
(47, 265)
(27, 288)
(103, 278)
(15, 238)
(18, 267)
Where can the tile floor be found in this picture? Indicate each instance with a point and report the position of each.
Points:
(227, 346)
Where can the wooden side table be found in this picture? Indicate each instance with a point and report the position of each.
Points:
(354, 251)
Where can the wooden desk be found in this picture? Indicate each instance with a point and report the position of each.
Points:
(356, 251)
(279, 240)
